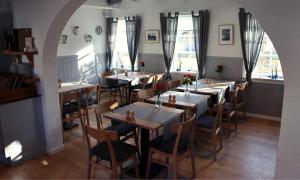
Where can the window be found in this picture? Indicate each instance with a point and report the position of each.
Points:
(184, 58)
(120, 56)
(268, 62)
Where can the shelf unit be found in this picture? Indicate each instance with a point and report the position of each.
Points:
(19, 54)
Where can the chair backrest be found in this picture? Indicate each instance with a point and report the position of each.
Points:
(107, 106)
(219, 107)
(183, 131)
(145, 94)
(232, 98)
(89, 91)
(69, 97)
(241, 86)
(104, 136)
(174, 84)
(104, 74)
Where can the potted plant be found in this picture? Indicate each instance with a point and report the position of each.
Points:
(219, 70)
(187, 80)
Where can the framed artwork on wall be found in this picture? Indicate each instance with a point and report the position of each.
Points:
(152, 36)
(226, 34)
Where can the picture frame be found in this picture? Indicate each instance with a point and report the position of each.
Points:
(226, 34)
(152, 36)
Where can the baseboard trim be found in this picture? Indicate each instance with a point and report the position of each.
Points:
(55, 150)
(260, 116)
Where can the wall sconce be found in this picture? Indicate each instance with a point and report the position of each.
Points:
(98, 30)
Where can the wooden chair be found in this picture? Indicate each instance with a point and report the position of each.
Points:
(213, 125)
(145, 94)
(229, 111)
(124, 130)
(109, 149)
(174, 84)
(89, 98)
(70, 107)
(241, 87)
(111, 90)
(174, 149)
(145, 83)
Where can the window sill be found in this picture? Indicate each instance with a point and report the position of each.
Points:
(268, 81)
(183, 72)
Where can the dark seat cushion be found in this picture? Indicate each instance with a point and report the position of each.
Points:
(122, 128)
(69, 108)
(122, 150)
(92, 99)
(167, 146)
(206, 121)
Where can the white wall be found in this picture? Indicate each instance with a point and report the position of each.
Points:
(221, 12)
(87, 19)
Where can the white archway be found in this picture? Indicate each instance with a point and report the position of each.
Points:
(279, 19)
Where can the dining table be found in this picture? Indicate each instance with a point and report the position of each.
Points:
(73, 86)
(68, 87)
(195, 102)
(148, 118)
(215, 88)
(133, 79)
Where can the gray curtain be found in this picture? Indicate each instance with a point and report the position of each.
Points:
(111, 27)
(168, 26)
(133, 29)
(251, 38)
(201, 28)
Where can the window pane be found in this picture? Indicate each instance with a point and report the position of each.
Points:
(268, 64)
(184, 55)
(121, 57)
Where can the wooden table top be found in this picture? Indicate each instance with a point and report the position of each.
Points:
(131, 76)
(208, 86)
(179, 103)
(73, 86)
(143, 123)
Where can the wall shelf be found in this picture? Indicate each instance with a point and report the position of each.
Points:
(19, 54)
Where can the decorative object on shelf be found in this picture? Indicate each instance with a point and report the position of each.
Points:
(75, 30)
(88, 38)
(63, 39)
(30, 44)
(98, 30)
(219, 70)
(226, 34)
(19, 54)
(159, 88)
(187, 80)
(25, 69)
(142, 66)
(152, 36)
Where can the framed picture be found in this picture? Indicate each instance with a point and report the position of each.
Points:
(152, 36)
(226, 34)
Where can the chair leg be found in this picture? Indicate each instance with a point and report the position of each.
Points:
(136, 168)
(87, 116)
(114, 172)
(120, 93)
(136, 141)
(89, 170)
(110, 93)
(193, 165)
(149, 164)
(174, 168)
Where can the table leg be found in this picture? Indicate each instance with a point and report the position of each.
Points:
(145, 135)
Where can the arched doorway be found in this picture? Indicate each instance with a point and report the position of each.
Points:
(266, 15)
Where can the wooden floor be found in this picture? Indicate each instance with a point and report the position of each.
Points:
(248, 154)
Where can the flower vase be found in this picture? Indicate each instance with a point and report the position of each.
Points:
(220, 75)
(158, 102)
(186, 91)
